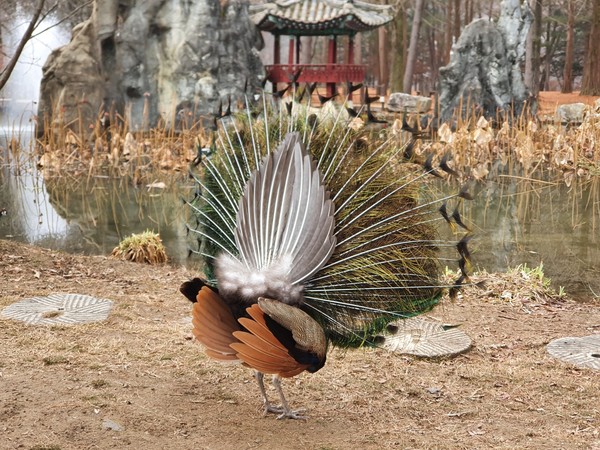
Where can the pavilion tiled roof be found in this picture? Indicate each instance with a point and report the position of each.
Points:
(318, 17)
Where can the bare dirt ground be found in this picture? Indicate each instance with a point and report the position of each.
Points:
(549, 100)
(141, 370)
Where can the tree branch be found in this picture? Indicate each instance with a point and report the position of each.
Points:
(64, 19)
(26, 36)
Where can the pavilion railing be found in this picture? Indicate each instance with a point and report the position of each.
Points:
(321, 73)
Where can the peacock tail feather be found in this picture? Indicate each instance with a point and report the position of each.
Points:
(386, 263)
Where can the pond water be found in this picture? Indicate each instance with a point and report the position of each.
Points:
(516, 221)
(88, 215)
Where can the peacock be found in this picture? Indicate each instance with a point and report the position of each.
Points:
(313, 233)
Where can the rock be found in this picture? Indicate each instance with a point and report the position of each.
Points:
(168, 61)
(111, 425)
(71, 87)
(400, 102)
(571, 112)
(484, 70)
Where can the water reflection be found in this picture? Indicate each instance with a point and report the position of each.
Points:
(517, 221)
(88, 215)
(532, 222)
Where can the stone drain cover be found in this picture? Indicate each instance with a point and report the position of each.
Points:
(59, 309)
(581, 351)
(425, 338)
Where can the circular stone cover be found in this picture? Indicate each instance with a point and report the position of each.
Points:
(59, 309)
(426, 338)
(581, 351)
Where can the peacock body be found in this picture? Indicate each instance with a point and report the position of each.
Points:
(385, 259)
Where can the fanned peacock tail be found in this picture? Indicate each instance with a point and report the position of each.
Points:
(386, 263)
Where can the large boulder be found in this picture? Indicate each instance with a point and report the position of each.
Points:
(571, 112)
(484, 70)
(151, 61)
(401, 102)
(71, 88)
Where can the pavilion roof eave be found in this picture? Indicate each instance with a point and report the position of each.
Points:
(319, 17)
(334, 27)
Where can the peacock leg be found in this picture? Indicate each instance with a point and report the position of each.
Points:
(268, 407)
(286, 413)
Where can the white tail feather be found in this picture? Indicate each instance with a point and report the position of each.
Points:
(284, 230)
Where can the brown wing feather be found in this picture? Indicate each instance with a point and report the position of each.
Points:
(258, 361)
(220, 309)
(292, 373)
(205, 323)
(262, 358)
(214, 325)
(260, 345)
(261, 350)
(258, 315)
(262, 333)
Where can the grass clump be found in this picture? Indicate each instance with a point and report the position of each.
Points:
(146, 247)
(53, 360)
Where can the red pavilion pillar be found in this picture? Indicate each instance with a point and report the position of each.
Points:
(331, 60)
(291, 51)
(276, 55)
(350, 58)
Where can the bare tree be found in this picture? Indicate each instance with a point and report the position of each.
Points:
(33, 23)
(383, 60)
(591, 69)
(398, 28)
(456, 32)
(411, 58)
(70, 11)
(448, 33)
(567, 86)
(533, 60)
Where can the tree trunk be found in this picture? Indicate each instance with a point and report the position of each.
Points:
(456, 19)
(306, 50)
(7, 71)
(383, 61)
(412, 49)
(532, 60)
(433, 61)
(551, 40)
(591, 70)
(358, 54)
(448, 33)
(468, 12)
(567, 86)
(399, 45)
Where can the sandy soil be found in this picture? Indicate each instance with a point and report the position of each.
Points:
(141, 370)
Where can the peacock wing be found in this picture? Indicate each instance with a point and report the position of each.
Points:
(260, 349)
(308, 335)
(214, 325)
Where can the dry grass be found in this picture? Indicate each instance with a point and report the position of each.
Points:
(146, 247)
(142, 370)
(526, 147)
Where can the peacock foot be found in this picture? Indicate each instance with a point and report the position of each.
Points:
(271, 409)
(292, 414)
